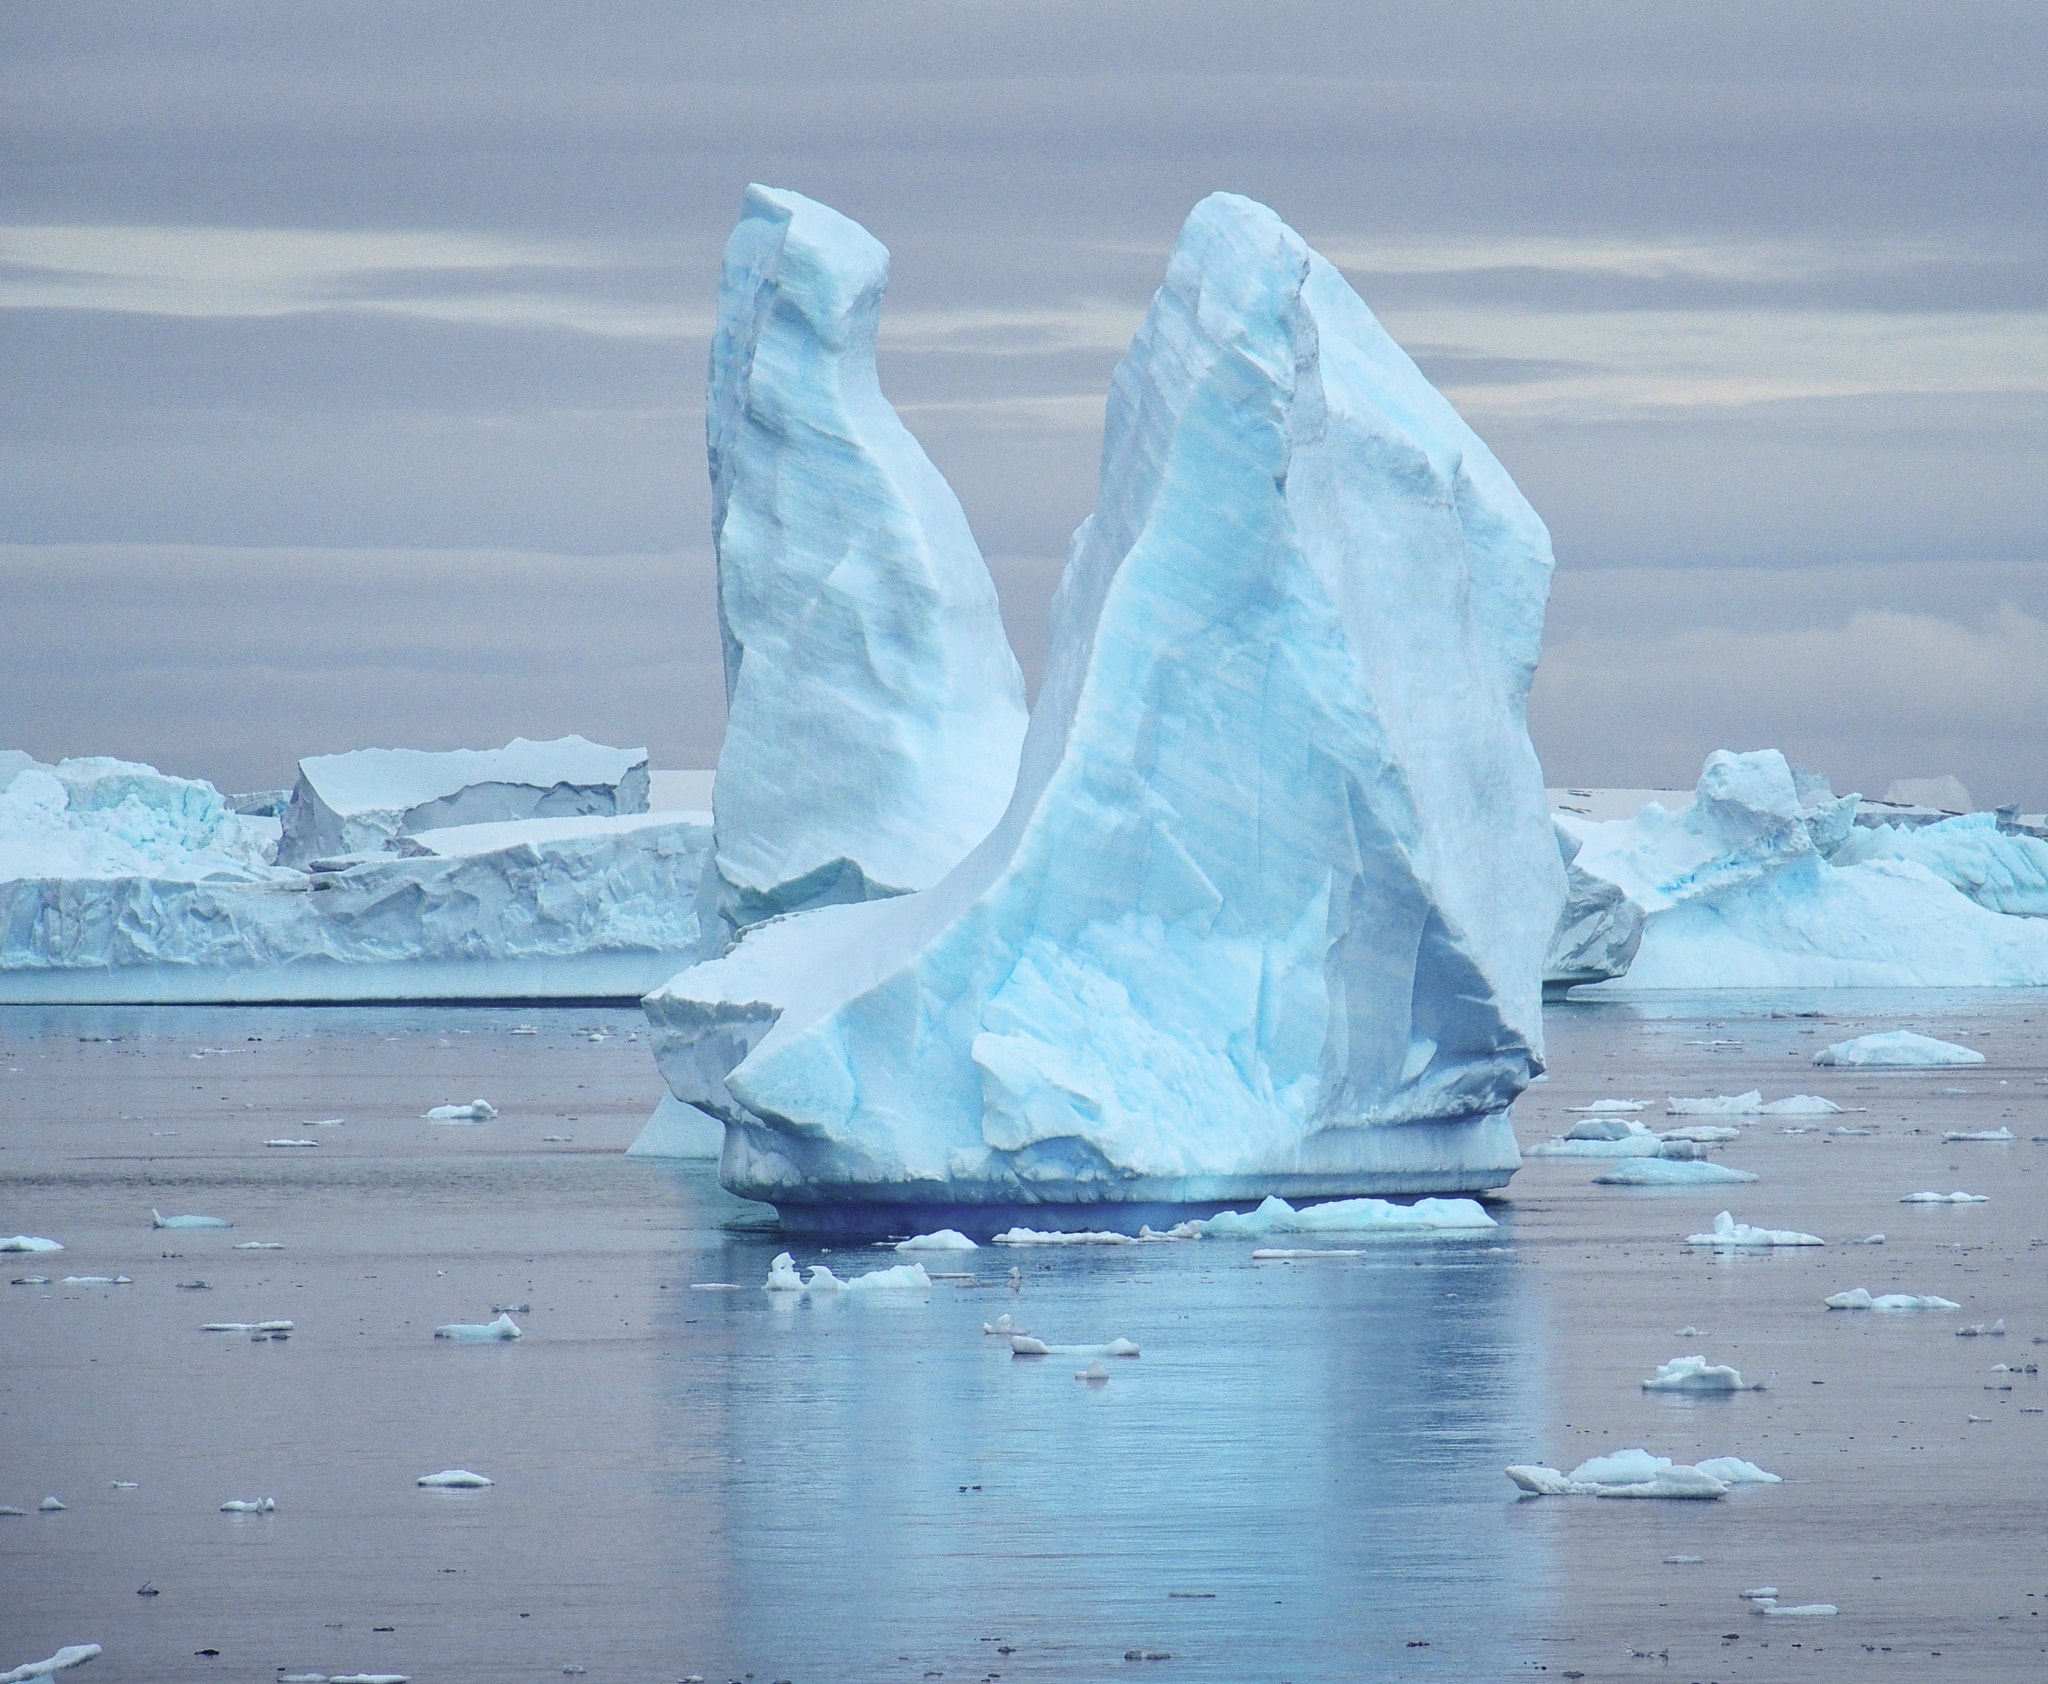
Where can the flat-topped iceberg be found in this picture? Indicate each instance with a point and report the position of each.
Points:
(1670, 1172)
(874, 709)
(1268, 909)
(356, 802)
(1897, 1049)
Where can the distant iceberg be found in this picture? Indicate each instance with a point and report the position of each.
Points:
(1267, 912)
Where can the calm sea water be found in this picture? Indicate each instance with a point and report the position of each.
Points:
(1298, 1480)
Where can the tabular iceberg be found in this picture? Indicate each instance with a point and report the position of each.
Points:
(1763, 882)
(356, 802)
(1267, 912)
(874, 709)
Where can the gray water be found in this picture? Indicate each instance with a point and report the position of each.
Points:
(1298, 1480)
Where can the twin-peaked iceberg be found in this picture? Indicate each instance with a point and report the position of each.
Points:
(1268, 906)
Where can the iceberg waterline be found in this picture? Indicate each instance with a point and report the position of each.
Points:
(1267, 910)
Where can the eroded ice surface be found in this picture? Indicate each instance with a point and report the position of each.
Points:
(2002, 871)
(1268, 910)
(1636, 1473)
(1348, 1216)
(71, 1655)
(1897, 1047)
(1859, 1298)
(1728, 1231)
(1696, 1374)
(874, 709)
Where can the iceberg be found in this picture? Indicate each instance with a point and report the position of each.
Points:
(946, 1239)
(2001, 870)
(1598, 932)
(1267, 911)
(1728, 1231)
(1636, 1473)
(119, 884)
(357, 802)
(1763, 881)
(1696, 1374)
(874, 709)
(1859, 1298)
(1899, 1048)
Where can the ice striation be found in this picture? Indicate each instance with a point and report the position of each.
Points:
(874, 709)
(1268, 909)
(1763, 881)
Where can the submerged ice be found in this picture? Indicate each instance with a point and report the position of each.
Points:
(1268, 909)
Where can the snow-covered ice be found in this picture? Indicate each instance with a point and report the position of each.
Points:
(1670, 1172)
(1961, 1137)
(1268, 909)
(1349, 1216)
(1728, 1231)
(50, 1505)
(159, 1220)
(288, 1140)
(904, 1277)
(1636, 1473)
(259, 1245)
(479, 1333)
(71, 1655)
(1896, 1048)
(28, 1242)
(1993, 1330)
(356, 802)
(1956, 1198)
(946, 1239)
(1719, 1105)
(1859, 1298)
(1799, 1611)
(874, 709)
(98, 1280)
(2002, 871)
(1696, 1374)
(476, 1111)
(455, 1479)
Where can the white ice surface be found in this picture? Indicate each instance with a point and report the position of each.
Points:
(1728, 1231)
(1859, 1298)
(1349, 1216)
(159, 1220)
(2001, 871)
(1636, 1473)
(71, 1655)
(1696, 1374)
(946, 1239)
(1955, 1137)
(1955, 1198)
(249, 1505)
(29, 1242)
(1039, 1236)
(1601, 1107)
(455, 1479)
(873, 707)
(1702, 1134)
(476, 1111)
(1268, 910)
(1721, 1105)
(676, 1130)
(1670, 1172)
(1900, 1048)
(479, 1333)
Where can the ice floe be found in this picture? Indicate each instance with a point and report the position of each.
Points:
(1601, 1107)
(1023, 1345)
(1718, 1105)
(1636, 1473)
(455, 1479)
(71, 1655)
(1957, 1198)
(1696, 1374)
(291, 1142)
(1960, 1137)
(28, 1242)
(1896, 1049)
(159, 1220)
(252, 1505)
(1349, 1216)
(1039, 1236)
(1728, 1231)
(946, 1239)
(1802, 1611)
(1703, 1134)
(1670, 1172)
(50, 1505)
(259, 1245)
(98, 1280)
(783, 1277)
(479, 1333)
(476, 1111)
(1859, 1298)
(246, 1327)
(1981, 1330)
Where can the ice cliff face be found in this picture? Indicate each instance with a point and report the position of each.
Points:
(874, 707)
(1268, 910)
(1763, 882)
(1600, 929)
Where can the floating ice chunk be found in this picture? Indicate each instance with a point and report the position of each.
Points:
(246, 1327)
(1349, 1216)
(1696, 1374)
(1639, 1142)
(1035, 1236)
(1957, 1198)
(1995, 1330)
(1605, 1128)
(99, 1280)
(1733, 1470)
(782, 1275)
(50, 1505)
(254, 1505)
(71, 1655)
(1802, 1105)
(1600, 1106)
(324, 1123)
(1728, 1231)
(1897, 1048)
(455, 1479)
(1859, 1298)
(1669, 1172)
(1094, 1373)
(1953, 1137)
(1684, 1560)
(1802, 1611)
(124, 1485)
(1702, 1134)
(1677, 1481)
(28, 1242)
(288, 1142)
(905, 1277)
(1281, 1254)
(1542, 1482)
(946, 1239)
(1762, 1593)
(1620, 1467)
(1005, 1327)
(1738, 1105)
(30, 1280)
(259, 1245)
(159, 1220)
(367, 1678)
(1023, 1345)
(479, 1333)
(476, 1111)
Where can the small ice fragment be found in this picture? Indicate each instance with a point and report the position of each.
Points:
(254, 1505)
(1023, 1345)
(71, 1655)
(1034, 1236)
(259, 1245)
(1898, 1047)
(283, 1142)
(1859, 1298)
(367, 1678)
(10, 1509)
(1604, 1128)
(1762, 1593)
(1733, 1470)
(1803, 1611)
(1004, 1326)
(1600, 1106)
(1349, 1216)
(1703, 1134)
(124, 1485)
(1978, 1331)
(1684, 1560)
(324, 1123)
(946, 1239)
(480, 1333)
(99, 1280)
(1094, 1373)
(1717, 1105)
(265, 1327)
(524, 1029)
(1283, 1254)
(1541, 1482)
(476, 1111)
(1957, 1198)
(159, 1220)
(715, 1286)
(1802, 1105)
(50, 1505)
(558, 1139)
(1696, 1374)
(1690, 1333)
(455, 1479)
(28, 1242)
(31, 1280)
(1954, 1138)
(1727, 1231)
(782, 1275)
(1670, 1172)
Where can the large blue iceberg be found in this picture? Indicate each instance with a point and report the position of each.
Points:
(874, 709)
(1268, 909)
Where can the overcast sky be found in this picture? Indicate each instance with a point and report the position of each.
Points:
(355, 355)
